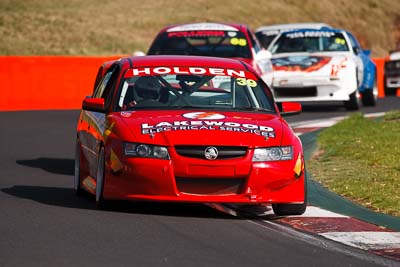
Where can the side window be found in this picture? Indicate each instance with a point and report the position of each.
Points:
(108, 91)
(102, 85)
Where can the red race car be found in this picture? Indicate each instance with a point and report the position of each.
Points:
(191, 129)
(227, 40)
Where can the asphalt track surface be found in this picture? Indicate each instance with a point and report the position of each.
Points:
(42, 222)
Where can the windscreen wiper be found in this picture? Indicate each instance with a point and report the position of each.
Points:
(254, 109)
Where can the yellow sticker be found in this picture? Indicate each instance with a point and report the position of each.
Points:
(242, 42)
(340, 41)
(116, 164)
(299, 166)
(244, 82)
(239, 41)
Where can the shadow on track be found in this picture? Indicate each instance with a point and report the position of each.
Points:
(52, 165)
(65, 197)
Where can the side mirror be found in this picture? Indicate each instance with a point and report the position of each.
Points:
(356, 50)
(289, 108)
(93, 104)
(263, 54)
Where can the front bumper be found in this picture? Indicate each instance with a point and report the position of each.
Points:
(307, 89)
(393, 82)
(227, 181)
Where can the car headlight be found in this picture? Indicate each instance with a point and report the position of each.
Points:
(273, 153)
(145, 151)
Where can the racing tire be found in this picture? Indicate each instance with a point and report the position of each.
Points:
(292, 209)
(369, 98)
(353, 102)
(77, 169)
(100, 202)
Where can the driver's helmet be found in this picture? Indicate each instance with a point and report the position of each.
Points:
(148, 87)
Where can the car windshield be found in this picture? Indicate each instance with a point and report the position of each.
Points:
(309, 41)
(216, 43)
(266, 37)
(193, 87)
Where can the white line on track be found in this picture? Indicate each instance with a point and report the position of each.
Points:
(312, 211)
(328, 122)
(366, 240)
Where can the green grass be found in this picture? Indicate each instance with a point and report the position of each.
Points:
(359, 158)
(98, 27)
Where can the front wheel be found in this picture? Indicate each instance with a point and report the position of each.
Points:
(292, 209)
(353, 102)
(289, 209)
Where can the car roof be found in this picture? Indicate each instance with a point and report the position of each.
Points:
(293, 26)
(204, 26)
(175, 60)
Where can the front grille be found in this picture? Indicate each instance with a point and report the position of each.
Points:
(295, 91)
(210, 186)
(392, 68)
(224, 152)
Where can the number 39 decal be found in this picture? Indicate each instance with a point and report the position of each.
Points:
(244, 82)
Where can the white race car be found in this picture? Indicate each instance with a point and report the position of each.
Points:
(392, 73)
(320, 65)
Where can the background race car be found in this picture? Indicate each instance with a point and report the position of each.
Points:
(312, 65)
(392, 73)
(214, 39)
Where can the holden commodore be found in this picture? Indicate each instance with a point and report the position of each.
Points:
(227, 40)
(188, 129)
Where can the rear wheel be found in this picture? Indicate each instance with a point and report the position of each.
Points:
(370, 96)
(77, 172)
(292, 209)
(100, 203)
(353, 102)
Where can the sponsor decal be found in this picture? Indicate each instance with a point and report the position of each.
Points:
(204, 115)
(270, 33)
(300, 63)
(126, 114)
(337, 67)
(145, 71)
(306, 34)
(202, 26)
(203, 33)
(207, 121)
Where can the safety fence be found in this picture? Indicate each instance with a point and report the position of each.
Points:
(62, 82)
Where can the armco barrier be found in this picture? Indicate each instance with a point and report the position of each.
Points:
(61, 82)
(47, 82)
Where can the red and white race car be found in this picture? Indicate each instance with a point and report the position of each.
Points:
(227, 40)
(191, 129)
